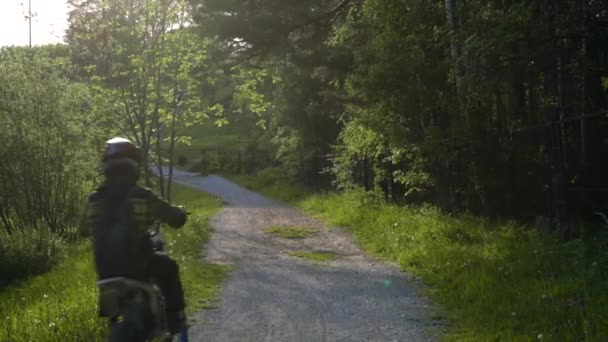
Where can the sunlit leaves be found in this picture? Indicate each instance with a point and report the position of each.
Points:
(145, 60)
(47, 139)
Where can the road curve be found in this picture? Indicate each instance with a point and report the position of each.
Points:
(274, 297)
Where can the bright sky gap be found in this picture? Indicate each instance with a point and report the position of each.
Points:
(48, 24)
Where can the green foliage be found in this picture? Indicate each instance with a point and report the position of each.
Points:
(46, 142)
(290, 232)
(147, 65)
(279, 77)
(247, 97)
(420, 100)
(265, 26)
(498, 281)
(62, 304)
(49, 148)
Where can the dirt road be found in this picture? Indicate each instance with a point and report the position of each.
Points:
(272, 296)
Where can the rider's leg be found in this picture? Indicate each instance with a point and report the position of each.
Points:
(166, 273)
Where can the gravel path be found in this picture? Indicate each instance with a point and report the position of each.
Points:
(274, 297)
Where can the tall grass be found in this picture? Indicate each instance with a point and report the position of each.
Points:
(61, 305)
(497, 281)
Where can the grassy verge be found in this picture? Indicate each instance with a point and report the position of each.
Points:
(61, 304)
(271, 184)
(314, 256)
(496, 281)
(290, 232)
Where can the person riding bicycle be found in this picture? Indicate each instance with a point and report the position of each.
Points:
(128, 251)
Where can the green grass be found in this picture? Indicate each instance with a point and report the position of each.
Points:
(291, 232)
(498, 282)
(61, 304)
(495, 281)
(224, 147)
(271, 183)
(315, 256)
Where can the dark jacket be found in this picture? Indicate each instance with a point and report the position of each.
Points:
(119, 221)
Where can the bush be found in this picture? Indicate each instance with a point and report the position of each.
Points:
(28, 252)
(47, 142)
(271, 176)
(182, 160)
(48, 145)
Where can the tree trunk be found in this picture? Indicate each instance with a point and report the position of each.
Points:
(584, 152)
(519, 90)
(554, 113)
(451, 15)
(534, 116)
(561, 97)
(365, 174)
(159, 161)
(172, 147)
(389, 175)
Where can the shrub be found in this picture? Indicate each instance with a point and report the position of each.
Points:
(182, 160)
(27, 252)
(47, 143)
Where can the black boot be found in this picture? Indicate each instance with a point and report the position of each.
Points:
(176, 322)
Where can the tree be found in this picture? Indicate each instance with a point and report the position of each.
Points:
(284, 73)
(444, 101)
(141, 54)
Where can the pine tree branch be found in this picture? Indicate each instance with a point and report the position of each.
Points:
(333, 14)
